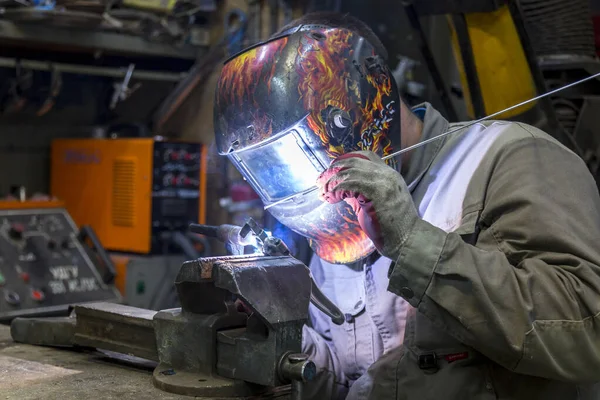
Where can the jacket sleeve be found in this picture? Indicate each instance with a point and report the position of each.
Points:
(527, 294)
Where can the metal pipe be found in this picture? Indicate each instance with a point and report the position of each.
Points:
(91, 70)
(466, 51)
(436, 75)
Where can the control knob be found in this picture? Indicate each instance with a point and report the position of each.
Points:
(168, 179)
(182, 180)
(66, 244)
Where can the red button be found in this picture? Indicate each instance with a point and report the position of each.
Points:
(188, 156)
(37, 295)
(174, 156)
(25, 277)
(187, 181)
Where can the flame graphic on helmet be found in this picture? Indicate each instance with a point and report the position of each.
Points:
(376, 121)
(323, 78)
(344, 243)
(240, 77)
(325, 81)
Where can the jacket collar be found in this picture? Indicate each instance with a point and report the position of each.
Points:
(421, 159)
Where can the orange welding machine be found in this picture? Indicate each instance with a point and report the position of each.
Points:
(130, 190)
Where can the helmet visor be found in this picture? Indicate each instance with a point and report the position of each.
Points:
(280, 167)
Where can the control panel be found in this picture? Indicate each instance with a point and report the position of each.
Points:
(46, 265)
(176, 184)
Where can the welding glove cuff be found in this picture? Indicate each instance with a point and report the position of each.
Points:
(378, 195)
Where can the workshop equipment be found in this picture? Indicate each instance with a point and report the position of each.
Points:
(131, 190)
(147, 281)
(206, 348)
(46, 263)
(450, 132)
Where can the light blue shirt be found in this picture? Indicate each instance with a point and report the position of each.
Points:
(375, 321)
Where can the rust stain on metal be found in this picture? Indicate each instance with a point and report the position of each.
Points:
(206, 267)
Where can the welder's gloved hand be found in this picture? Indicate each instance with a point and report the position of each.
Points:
(378, 195)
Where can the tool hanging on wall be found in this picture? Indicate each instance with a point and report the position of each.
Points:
(122, 90)
(450, 132)
(19, 86)
(53, 92)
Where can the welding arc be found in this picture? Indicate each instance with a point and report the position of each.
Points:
(460, 128)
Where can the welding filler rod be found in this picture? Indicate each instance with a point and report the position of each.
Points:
(460, 128)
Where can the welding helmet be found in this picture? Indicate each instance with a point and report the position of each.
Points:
(287, 107)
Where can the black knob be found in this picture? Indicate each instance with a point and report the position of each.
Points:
(12, 298)
(52, 244)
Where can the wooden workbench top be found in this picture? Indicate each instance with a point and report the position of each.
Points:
(39, 373)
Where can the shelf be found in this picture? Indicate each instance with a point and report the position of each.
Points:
(92, 41)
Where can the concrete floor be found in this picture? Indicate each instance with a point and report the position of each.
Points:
(39, 373)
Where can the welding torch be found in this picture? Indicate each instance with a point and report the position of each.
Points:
(450, 132)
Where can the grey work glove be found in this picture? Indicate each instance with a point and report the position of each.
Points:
(378, 195)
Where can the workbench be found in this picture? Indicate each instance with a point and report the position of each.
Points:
(43, 373)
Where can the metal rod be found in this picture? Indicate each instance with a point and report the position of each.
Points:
(424, 142)
(438, 137)
(91, 70)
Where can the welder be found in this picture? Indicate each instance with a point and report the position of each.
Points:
(467, 269)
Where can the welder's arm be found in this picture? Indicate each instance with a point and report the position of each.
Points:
(330, 382)
(528, 294)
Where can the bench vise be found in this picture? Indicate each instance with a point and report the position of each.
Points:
(206, 348)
